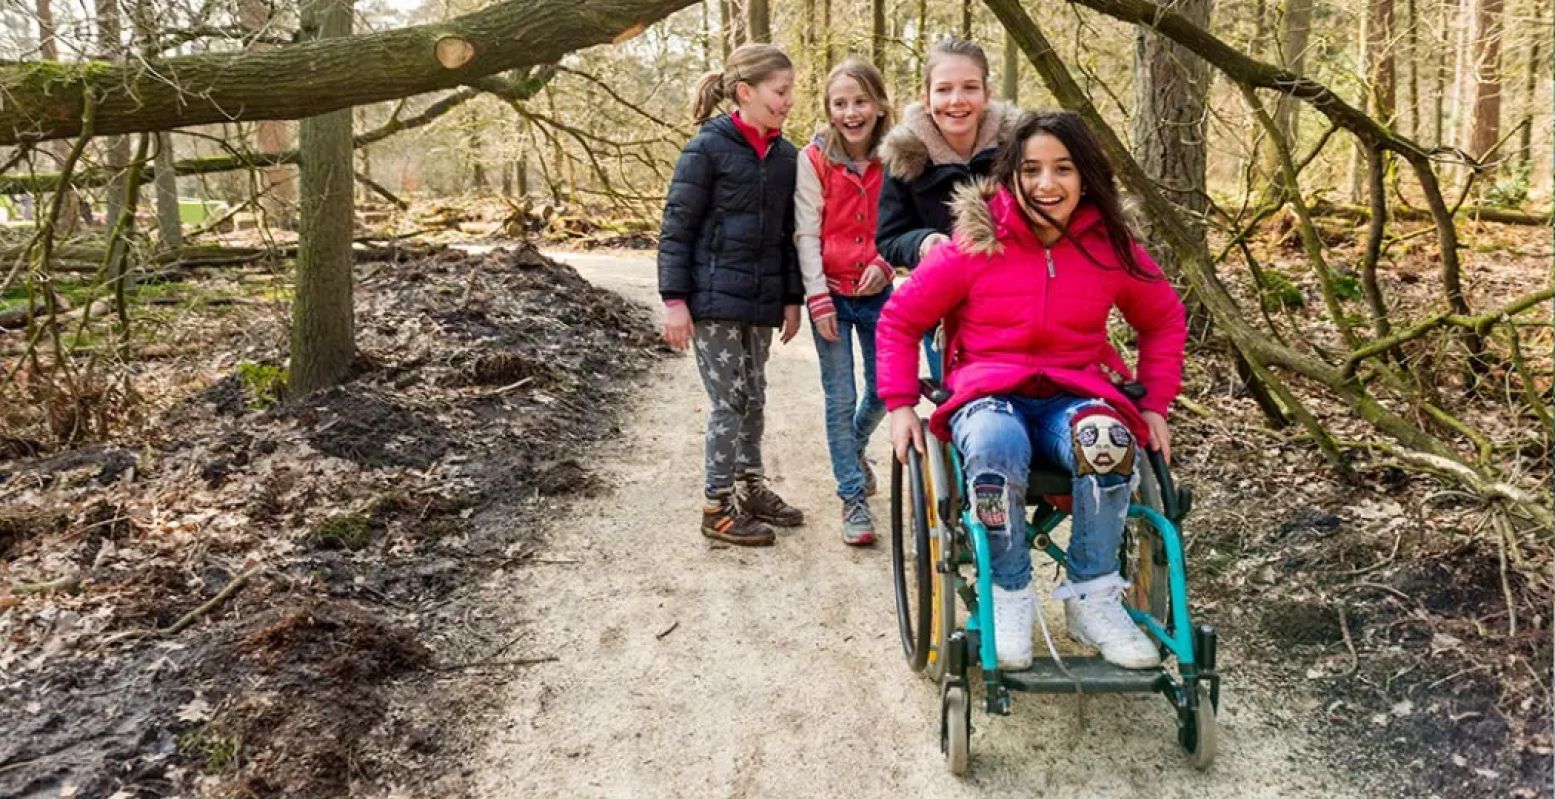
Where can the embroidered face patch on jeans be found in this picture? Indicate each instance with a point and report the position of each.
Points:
(1103, 445)
(992, 507)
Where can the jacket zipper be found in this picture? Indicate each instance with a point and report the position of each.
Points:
(1051, 273)
(761, 219)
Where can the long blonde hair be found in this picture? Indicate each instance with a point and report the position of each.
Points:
(870, 80)
(749, 63)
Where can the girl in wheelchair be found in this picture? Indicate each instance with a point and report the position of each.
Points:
(1040, 256)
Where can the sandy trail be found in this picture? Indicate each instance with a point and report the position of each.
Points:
(690, 670)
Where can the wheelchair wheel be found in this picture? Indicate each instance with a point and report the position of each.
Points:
(956, 728)
(1197, 733)
(942, 589)
(1144, 555)
(912, 571)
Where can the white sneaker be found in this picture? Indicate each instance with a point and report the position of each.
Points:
(1012, 618)
(1095, 615)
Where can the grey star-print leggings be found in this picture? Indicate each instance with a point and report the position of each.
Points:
(732, 358)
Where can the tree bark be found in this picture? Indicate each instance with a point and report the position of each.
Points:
(1487, 86)
(48, 50)
(760, 21)
(170, 231)
(515, 90)
(1295, 33)
(323, 327)
(116, 149)
(278, 183)
(877, 37)
(1170, 87)
(45, 101)
(1536, 66)
(1011, 76)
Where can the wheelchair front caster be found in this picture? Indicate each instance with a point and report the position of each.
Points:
(1196, 730)
(956, 728)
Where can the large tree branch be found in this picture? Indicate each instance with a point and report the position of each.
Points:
(510, 89)
(44, 100)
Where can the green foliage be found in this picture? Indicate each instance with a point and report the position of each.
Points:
(1511, 189)
(216, 752)
(1347, 287)
(347, 531)
(264, 383)
(1279, 291)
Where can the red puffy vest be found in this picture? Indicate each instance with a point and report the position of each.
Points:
(851, 204)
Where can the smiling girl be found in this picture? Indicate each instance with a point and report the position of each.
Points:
(846, 282)
(729, 277)
(948, 137)
(1041, 256)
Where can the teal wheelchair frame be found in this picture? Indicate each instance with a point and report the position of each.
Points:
(934, 533)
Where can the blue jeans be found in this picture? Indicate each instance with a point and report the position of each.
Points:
(997, 437)
(850, 418)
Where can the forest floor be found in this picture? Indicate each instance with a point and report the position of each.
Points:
(472, 571)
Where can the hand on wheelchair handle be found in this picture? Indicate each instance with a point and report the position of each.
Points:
(906, 431)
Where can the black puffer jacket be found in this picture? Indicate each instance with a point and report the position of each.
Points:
(921, 174)
(726, 245)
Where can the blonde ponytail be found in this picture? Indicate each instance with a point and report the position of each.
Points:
(708, 96)
(750, 64)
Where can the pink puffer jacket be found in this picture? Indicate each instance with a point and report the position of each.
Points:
(1022, 318)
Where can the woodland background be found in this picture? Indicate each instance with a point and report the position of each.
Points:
(1353, 196)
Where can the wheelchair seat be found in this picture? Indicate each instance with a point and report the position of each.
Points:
(1044, 480)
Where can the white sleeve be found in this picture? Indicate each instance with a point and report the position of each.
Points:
(808, 206)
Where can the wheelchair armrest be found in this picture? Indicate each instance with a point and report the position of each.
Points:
(933, 391)
(1135, 391)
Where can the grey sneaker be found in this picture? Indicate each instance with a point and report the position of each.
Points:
(870, 486)
(858, 524)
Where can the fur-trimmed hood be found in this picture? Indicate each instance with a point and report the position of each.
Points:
(916, 142)
(986, 215)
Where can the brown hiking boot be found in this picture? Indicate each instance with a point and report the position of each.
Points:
(754, 498)
(721, 521)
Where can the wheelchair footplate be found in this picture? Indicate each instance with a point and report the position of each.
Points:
(1095, 675)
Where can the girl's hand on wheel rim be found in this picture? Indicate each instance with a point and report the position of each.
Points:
(906, 431)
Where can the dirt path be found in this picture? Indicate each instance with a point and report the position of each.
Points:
(687, 670)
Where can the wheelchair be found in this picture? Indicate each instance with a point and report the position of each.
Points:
(935, 533)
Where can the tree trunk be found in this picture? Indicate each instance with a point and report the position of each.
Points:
(48, 50)
(1487, 87)
(170, 230)
(477, 161)
(826, 36)
(323, 327)
(1411, 25)
(760, 21)
(966, 19)
(278, 202)
(313, 77)
(1011, 71)
(1439, 82)
(1170, 87)
(1295, 32)
(725, 34)
(1536, 67)
(116, 149)
(877, 39)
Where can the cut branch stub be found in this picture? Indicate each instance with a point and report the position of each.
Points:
(454, 52)
(628, 33)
